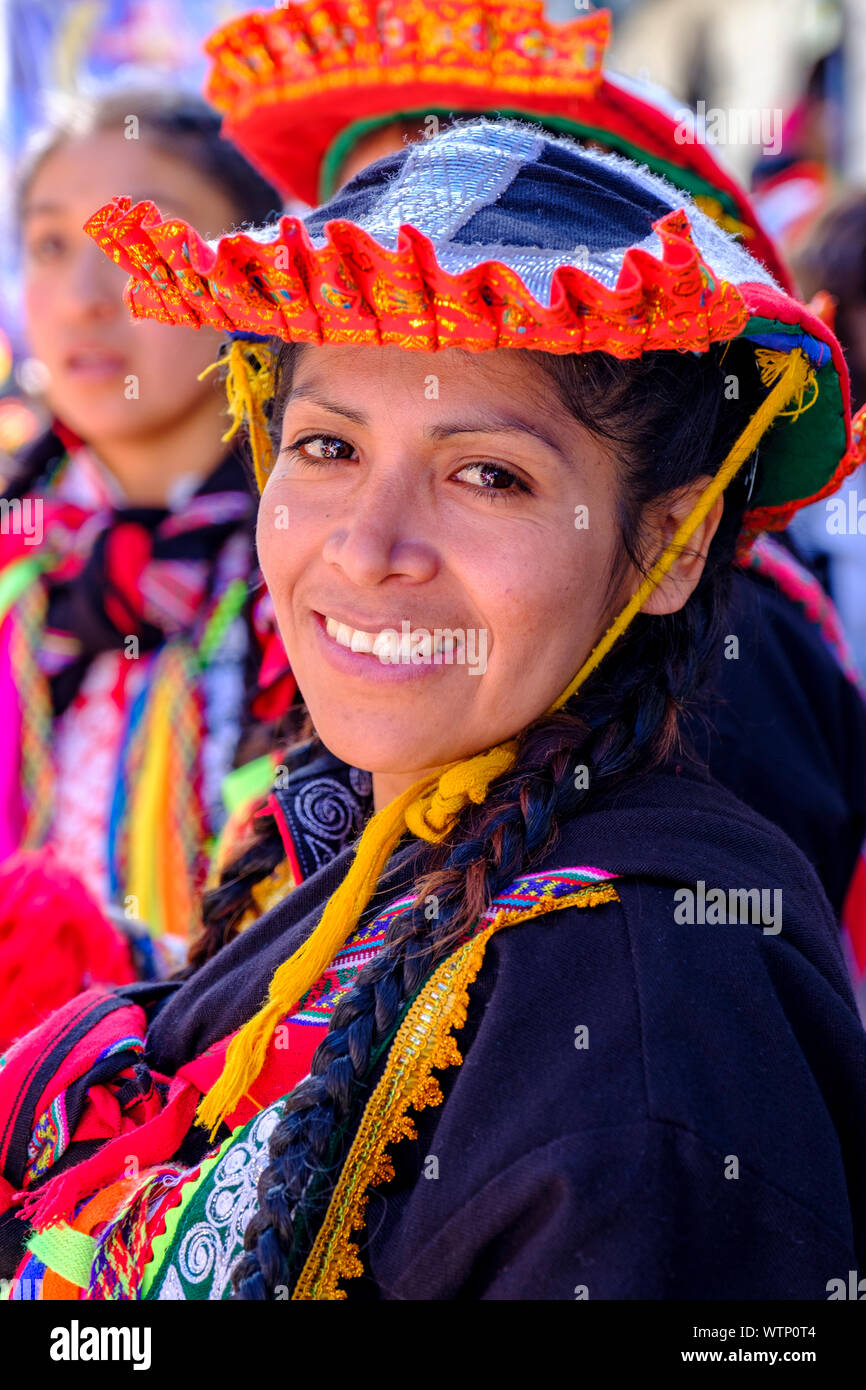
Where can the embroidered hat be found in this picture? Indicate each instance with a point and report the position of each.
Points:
(299, 85)
(495, 234)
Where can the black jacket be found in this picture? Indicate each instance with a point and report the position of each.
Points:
(785, 730)
(709, 1140)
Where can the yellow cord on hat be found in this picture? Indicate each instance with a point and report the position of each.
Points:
(249, 386)
(792, 382)
(430, 807)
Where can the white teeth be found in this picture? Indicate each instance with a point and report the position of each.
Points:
(390, 646)
(383, 646)
(370, 643)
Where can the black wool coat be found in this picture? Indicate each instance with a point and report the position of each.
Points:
(706, 1138)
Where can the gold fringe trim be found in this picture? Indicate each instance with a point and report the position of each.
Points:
(423, 1044)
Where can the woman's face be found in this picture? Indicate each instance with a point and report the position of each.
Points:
(110, 377)
(416, 494)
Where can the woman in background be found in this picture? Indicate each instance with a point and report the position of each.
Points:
(127, 643)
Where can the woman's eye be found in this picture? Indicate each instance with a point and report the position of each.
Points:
(46, 248)
(491, 478)
(321, 447)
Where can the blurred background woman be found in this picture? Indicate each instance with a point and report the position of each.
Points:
(127, 567)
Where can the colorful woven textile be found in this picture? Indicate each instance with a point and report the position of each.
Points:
(192, 1233)
(122, 683)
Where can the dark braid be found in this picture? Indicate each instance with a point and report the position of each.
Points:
(224, 906)
(622, 724)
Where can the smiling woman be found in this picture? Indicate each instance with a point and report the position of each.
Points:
(483, 1011)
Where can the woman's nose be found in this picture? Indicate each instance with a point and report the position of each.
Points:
(388, 532)
(93, 287)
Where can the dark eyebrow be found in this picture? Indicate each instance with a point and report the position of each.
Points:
(494, 424)
(309, 393)
(485, 424)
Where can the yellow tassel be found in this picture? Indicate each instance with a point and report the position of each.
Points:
(430, 807)
(431, 817)
(250, 384)
(771, 364)
(246, 1052)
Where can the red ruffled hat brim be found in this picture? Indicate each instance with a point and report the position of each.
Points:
(352, 290)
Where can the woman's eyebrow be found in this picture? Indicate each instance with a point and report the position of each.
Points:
(483, 424)
(494, 424)
(311, 394)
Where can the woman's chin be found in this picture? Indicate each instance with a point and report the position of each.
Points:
(388, 757)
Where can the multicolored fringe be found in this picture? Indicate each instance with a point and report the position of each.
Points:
(34, 696)
(159, 827)
(165, 830)
(122, 1250)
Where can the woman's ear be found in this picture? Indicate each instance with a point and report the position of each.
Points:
(673, 592)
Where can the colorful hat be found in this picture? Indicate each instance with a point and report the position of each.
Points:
(299, 85)
(423, 250)
(494, 234)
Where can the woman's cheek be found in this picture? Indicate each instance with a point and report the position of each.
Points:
(40, 318)
(280, 536)
(168, 362)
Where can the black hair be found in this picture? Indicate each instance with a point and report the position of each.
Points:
(667, 422)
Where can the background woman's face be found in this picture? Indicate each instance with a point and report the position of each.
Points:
(109, 376)
(415, 493)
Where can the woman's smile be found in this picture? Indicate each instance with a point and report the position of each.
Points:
(387, 654)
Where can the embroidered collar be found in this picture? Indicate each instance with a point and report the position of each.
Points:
(321, 808)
